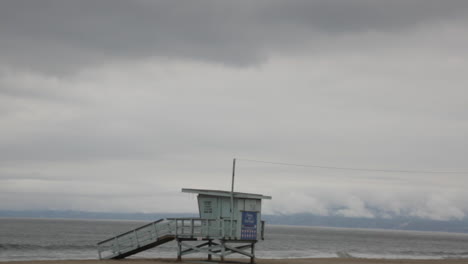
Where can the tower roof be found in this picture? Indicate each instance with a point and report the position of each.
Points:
(226, 193)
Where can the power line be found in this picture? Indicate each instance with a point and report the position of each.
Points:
(355, 169)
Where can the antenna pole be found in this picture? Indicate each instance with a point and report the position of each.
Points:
(233, 174)
(232, 193)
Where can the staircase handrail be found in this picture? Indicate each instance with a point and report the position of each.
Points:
(162, 231)
(131, 231)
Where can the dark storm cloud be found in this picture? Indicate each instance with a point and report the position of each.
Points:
(58, 36)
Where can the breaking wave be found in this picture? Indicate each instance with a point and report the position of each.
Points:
(344, 254)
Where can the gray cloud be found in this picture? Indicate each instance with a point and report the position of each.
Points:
(161, 95)
(58, 36)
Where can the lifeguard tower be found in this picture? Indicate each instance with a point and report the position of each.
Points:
(229, 222)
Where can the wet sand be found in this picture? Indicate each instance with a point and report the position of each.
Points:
(259, 261)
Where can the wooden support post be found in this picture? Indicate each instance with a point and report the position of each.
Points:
(136, 239)
(223, 250)
(99, 252)
(209, 247)
(155, 231)
(169, 229)
(179, 250)
(117, 244)
(221, 223)
(252, 251)
(192, 227)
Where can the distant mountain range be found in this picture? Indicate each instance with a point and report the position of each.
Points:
(397, 223)
(92, 215)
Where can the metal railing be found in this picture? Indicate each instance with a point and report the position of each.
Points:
(165, 229)
(203, 228)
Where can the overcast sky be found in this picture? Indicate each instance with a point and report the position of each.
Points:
(116, 105)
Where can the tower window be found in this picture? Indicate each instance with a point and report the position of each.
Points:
(208, 208)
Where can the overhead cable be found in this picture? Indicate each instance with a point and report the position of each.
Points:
(356, 169)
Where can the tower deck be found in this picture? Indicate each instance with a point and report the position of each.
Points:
(214, 232)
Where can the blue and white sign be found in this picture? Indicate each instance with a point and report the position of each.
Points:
(249, 226)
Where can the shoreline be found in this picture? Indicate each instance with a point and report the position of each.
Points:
(245, 261)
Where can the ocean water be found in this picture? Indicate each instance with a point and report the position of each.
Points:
(30, 239)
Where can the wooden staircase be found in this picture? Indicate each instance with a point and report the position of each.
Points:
(160, 232)
(137, 240)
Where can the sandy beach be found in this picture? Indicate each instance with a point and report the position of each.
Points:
(259, 261)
